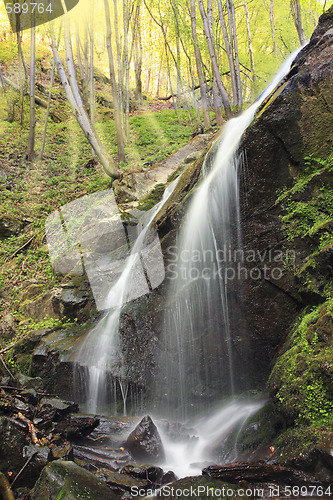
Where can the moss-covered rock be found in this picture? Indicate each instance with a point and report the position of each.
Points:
(66, 480)
(302, 379)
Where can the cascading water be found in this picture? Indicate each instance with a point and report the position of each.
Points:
(203, 348)
(204, 329)
(101, 352)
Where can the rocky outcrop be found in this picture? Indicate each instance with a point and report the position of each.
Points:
(296, 126)
(139, 184)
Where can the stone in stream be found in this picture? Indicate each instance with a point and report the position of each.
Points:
(142, 471)
(145, 443)
(250, 472)
(61, 479)
(54, 409)
(121, 482)
(76, 426)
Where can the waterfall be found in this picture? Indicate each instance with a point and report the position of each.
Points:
(204, 341)
(204, 347)
(100, 357)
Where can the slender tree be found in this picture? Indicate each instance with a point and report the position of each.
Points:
(31, 139)
(198, 60)
(272, 20)
(249, 41)
(75, 100)
(116, 101)
(212, 53)
(297, 17)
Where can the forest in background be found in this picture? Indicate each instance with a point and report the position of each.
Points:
(199, 56)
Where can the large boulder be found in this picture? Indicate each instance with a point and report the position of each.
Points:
(145, 443)
(65, 479)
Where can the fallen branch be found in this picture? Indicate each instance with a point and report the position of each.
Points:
(32, 429)
(5, 349)
(6, 368)
(24, 466)
(5, 488)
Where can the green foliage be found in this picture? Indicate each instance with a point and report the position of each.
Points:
(302, 377)
(308, 217)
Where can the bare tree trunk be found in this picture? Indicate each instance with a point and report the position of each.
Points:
(31, 139)
(235, 45)
(198, 60)
(92, 83)
(119, 61)
(229, 51)
(212, 53)
(23, 80)
(297, 17)
(116, 103)
(126, 20)
(40, 157)
(75, 101)
(217, 105)
(272, 19)
(138, 52)
(250, 41)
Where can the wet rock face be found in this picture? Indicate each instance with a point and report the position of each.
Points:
(145, 443)
(298, 124)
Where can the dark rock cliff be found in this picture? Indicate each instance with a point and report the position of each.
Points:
(281, 145)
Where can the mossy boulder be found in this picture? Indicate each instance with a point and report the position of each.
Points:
(64, 479)
(302, 379)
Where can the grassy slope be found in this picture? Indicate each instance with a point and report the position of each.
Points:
(32, 191)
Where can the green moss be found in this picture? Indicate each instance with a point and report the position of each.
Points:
(295, 442)
(307, 209)
(302, 378)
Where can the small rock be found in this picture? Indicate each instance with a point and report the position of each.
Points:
(145, 443)
(62, 452)
(169, 477)
(53, 409)
(9, 226)
(38, 459)
(142, 471)
(121, 482)
(8, 327)
(76, 426)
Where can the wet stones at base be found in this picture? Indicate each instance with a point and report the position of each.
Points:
(62, 479)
